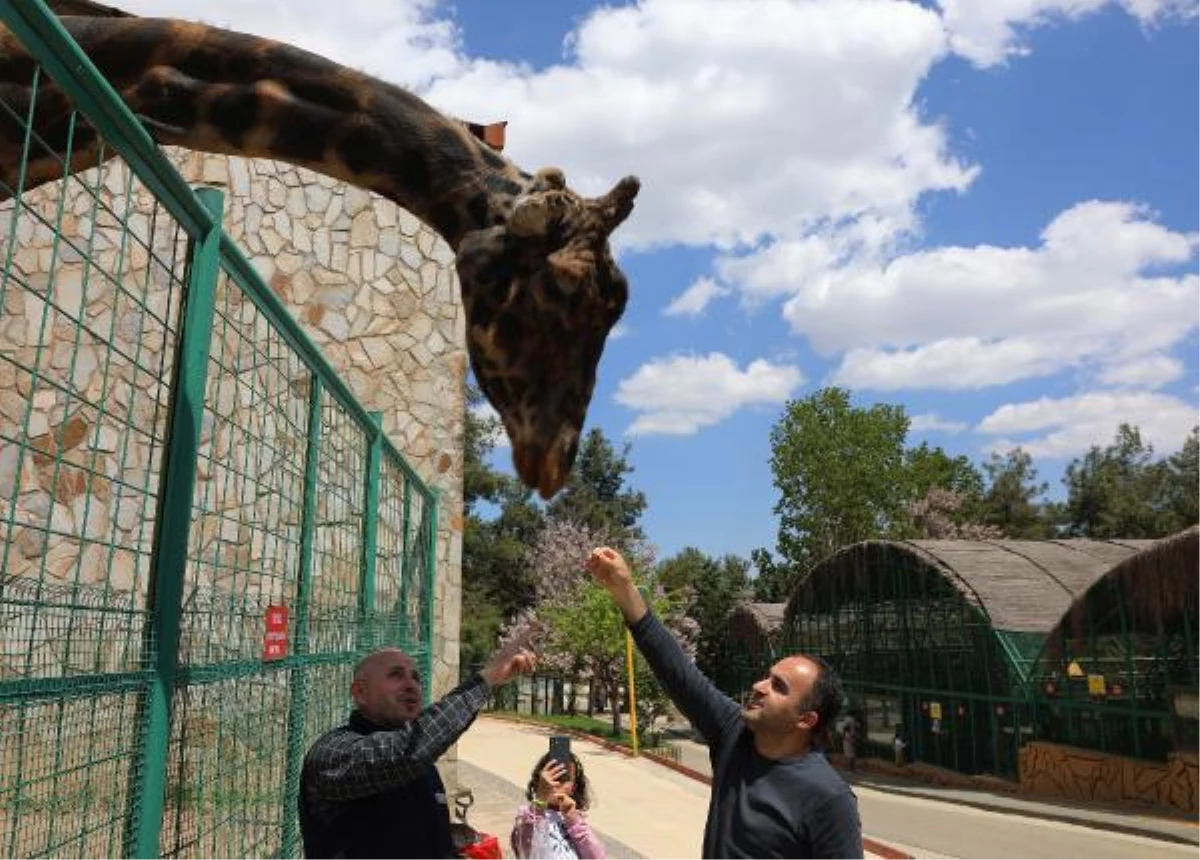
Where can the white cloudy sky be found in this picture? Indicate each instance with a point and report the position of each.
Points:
(962, 206)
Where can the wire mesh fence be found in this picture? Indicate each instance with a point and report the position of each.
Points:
(180, 469)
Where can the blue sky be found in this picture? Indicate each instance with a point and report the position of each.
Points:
(984, 210)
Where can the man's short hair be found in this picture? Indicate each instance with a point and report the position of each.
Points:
(826, 695)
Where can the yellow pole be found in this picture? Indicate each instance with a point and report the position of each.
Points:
(632, 690)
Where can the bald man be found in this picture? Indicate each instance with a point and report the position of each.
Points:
(773, 795)
(370, 788)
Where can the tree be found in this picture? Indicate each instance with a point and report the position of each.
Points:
(1184, 482)
(495, 577)
(708, 590)
(773, 581)
(480, 481)
(596, 493)
(938, 515)
(928, 467)
(944, 495)
(584, 630)
(840, 474)
(1123, 491)
(1010, 503)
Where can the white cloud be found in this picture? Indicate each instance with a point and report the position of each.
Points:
(682, 394)
(931, 421)
(1091, 295)
(1150, 372)
(746, 119)
(692, 301)
(1068, 426)
(619, 331)
(988, 31)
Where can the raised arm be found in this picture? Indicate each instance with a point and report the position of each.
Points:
(710, 711)
(347, 765)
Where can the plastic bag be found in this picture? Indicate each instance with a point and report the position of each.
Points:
(549, 840)
(469, 842)
(487, 847)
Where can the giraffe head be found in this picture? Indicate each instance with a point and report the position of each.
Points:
(541, 293)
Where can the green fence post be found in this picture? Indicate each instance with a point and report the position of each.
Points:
(432, 500)
(172, 524)
(299, 697)
(368, 633)
(405, 567)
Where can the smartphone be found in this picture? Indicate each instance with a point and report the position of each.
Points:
(560, 748)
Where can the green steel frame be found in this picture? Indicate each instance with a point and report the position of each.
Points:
(916, 654)
(177, 458)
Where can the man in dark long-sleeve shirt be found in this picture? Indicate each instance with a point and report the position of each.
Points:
(370, 788)
(772, 794)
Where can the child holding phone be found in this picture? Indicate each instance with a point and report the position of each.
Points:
(553, 824)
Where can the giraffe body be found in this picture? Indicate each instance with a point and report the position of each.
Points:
(539, 285)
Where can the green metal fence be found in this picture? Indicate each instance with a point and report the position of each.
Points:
(176, 459)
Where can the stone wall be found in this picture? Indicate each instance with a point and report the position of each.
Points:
(1071, 773)
(372, 286)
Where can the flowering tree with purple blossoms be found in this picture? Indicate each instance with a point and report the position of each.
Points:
(577, 628)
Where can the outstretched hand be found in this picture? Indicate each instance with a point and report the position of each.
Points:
(507, 663)
(608, 568)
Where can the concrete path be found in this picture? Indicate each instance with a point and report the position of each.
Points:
(929, 821)
(640, 808)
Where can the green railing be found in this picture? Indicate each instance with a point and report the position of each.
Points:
(176, 458)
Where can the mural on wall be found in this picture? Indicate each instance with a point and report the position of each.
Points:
(1078, 774)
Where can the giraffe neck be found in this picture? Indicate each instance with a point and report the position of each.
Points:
(218, 91)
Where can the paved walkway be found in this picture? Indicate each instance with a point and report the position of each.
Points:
(1119, 819)
(640, 808)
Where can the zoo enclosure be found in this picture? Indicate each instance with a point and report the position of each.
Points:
(176, 460)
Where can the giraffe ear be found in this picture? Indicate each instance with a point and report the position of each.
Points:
(616, 205)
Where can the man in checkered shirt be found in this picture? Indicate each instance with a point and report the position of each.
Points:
(370, 788)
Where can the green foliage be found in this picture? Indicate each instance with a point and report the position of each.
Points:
(708, 589)
(773, 580)
(480, 481)
(1011, 500)
(932, 468)
(840, 473)
(596, 494)
(1184, 485)
(1123, 491)
(496, 580)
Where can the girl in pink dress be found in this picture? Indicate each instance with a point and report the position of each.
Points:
(553, 823)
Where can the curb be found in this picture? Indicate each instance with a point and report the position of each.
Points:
(875, 847)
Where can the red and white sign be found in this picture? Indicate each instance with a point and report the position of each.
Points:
(275, 642)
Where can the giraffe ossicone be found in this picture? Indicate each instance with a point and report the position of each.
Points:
(539, 284)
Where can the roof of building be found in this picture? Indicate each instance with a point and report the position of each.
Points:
(1021, 585)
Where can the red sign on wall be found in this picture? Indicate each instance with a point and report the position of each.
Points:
(276, 638)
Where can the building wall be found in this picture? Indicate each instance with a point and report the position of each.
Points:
(371, 285)
(1070, 773)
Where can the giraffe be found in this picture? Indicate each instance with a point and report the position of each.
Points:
(539, 284)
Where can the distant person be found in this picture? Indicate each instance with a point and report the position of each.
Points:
(370, 788)
(553, 824)
(850, 744)
(899, 745)
(773, 794)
